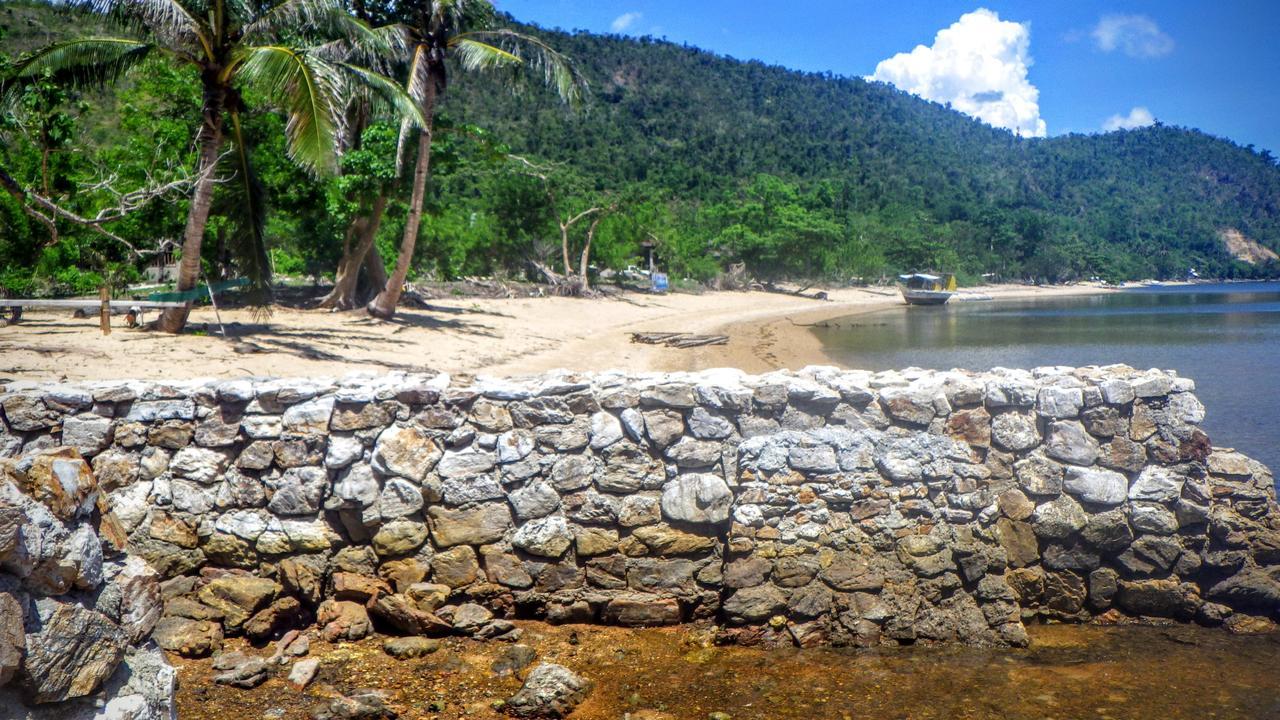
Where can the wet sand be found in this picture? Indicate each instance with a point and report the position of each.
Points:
(1068, 673)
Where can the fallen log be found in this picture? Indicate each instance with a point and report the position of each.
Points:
(681, 341)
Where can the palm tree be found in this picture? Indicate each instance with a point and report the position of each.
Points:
(271, 48)
(461, 29)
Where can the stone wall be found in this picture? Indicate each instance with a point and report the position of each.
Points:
(823, 506)
(75, 610)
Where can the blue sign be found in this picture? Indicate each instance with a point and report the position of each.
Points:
(658, 282)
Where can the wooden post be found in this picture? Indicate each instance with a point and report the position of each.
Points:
(104, 314)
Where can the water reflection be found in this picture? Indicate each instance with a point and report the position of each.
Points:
(1226, 337)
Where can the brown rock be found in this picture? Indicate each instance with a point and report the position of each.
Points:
(1019, 541)
(1015, 505)
(187, 637)
(428, 597)
(171, 434)
(642, 611)
(303, 575)
(971, 426)
(238, 597)
(12, 637)
(403, 573)
(480, 525)
(60, 480)
(279, 615)
(172, 530)
(455, 567)
(342, 620)
(360, 416)
(505, 568)
(358, 588)
(71, 653)
(663, 539)
(402, 614)
(1159, 598)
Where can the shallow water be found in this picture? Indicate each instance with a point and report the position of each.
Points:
(1068, 673)
(1224, 336)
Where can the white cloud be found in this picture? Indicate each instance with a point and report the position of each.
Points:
(624, 21)
(979, 65)
(1135, 35)
(1137, 117)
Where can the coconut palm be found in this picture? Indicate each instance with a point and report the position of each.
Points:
(462, 30)
(280, 50)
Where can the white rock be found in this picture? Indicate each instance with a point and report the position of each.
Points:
(246, 524)
(342, 451)
(1096, 485)
(697, 498)
(262, 427)
(546, 537)
(311, 416)
(200, 464)
(129, 504)
(1158, 484)
(303, 672)
(357, 485)
(399, 498)
(514, 446)
(605, 430)
(465, 464)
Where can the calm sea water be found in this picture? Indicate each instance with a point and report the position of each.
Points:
(1224, 336)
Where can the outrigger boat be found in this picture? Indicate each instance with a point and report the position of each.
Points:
(924, 289)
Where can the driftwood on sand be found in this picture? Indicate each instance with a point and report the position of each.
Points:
(677, 339)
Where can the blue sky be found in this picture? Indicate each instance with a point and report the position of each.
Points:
(1048, 67)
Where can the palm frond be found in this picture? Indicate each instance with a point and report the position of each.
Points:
(419, 73)
(305, 87)
(380, 49)
(416, 86)
(317, 18)
(243, 203)
(171, 22)
(475, 55)
(557, 69)
(385, 90)
(86, 62)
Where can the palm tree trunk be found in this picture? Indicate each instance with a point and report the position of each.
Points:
(384, 305)
(355, 256)
(174, 320)
(375, 271)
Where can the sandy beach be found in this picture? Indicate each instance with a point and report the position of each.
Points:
(460, 336)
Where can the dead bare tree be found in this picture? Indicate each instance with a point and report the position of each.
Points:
(47, 212)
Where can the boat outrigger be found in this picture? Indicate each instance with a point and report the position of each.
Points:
(924, 289)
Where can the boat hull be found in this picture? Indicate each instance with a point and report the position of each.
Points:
(925, 297)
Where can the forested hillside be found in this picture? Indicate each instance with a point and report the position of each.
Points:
(906, 174)
(717, 162)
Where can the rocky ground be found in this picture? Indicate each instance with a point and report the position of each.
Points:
(1069, 671)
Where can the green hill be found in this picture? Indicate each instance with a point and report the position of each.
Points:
(697, 126)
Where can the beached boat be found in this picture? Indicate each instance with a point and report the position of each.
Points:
(925, 289)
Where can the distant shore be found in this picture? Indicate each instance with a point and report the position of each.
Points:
(458, 335)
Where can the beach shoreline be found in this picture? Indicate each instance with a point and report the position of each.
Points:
(462, 335)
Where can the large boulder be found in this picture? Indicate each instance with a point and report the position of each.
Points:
(70, 651)
(549, 691)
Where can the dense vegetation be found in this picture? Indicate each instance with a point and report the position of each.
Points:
(716, 161)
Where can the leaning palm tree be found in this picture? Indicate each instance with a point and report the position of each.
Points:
(280, 50)
(438, 30)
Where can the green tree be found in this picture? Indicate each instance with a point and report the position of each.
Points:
(440, 30)
(273, 49)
